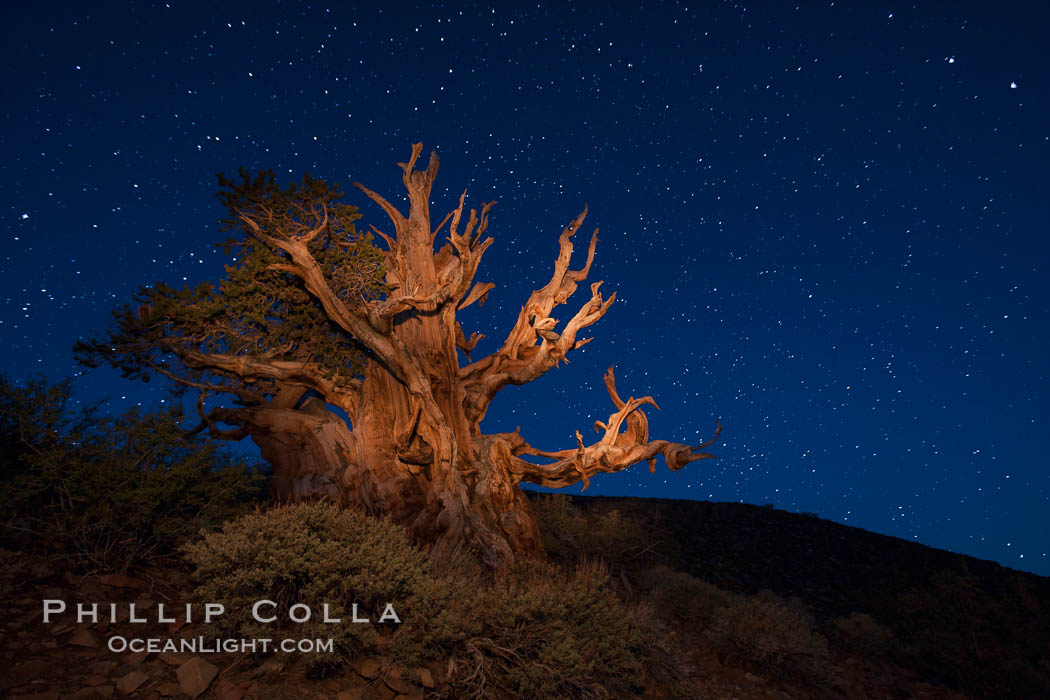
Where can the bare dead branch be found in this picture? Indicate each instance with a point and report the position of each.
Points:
(395, 216)
(479, 293)
(465, 344)
(302, 374)
(210, 420)
(533, 346)
(613, 452)
(243, 394)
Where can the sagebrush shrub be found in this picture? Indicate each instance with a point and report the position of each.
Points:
(602, 532)
(861, 631)
(683, 596)
(551, 633)
(533, 631)
(776, 641)
(317, 554)
(561, 524)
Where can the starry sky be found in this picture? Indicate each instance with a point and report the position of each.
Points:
(827, 225)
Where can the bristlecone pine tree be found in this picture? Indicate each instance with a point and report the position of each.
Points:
(314, 316)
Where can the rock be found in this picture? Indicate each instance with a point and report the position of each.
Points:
(357, 693)
(174, 658)
(45, 695)
(271, 666)
(196, 675)
(90, 694)
(426, 678)
(368, 668)
(122, 581)
(137, 657)
(131, 682)
(169, 689)
(398, 685)
(103, 668)
(95, 680)
(84, 637)
(225, 690)
(437, 669)
(26, 672)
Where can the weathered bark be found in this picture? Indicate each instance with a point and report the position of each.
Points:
(414, 449)
(307, 447)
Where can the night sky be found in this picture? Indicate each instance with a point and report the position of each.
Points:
(828, 226)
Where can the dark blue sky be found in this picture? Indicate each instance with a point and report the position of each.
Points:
(828, 225)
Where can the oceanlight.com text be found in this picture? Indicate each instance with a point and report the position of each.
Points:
(203, 645)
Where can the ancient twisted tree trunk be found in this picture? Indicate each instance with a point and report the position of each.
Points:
(414, 449)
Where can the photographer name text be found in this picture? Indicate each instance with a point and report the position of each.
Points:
(263, 611)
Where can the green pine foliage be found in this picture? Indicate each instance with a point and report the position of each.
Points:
(258, 309)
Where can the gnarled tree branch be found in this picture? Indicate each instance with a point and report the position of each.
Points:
(533, 346)
(211, 419)
(303, 374)
(614, 451)
(355, 321)
(396, 217)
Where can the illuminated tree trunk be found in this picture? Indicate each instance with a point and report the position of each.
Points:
(414, 449)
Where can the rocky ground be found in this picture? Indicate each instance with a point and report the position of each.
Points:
(65, 660)
(947, 626)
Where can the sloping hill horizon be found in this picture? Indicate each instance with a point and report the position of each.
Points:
(583, 498)
(973, 625)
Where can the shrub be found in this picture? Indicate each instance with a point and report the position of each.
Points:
(601, 532)
(561, 524)
(685, 597)
(549, 633)
(776, 641)
(617, 538)
(316, 554)
(794, 604)
(860, 631)
(534, 631)
(109, 493)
